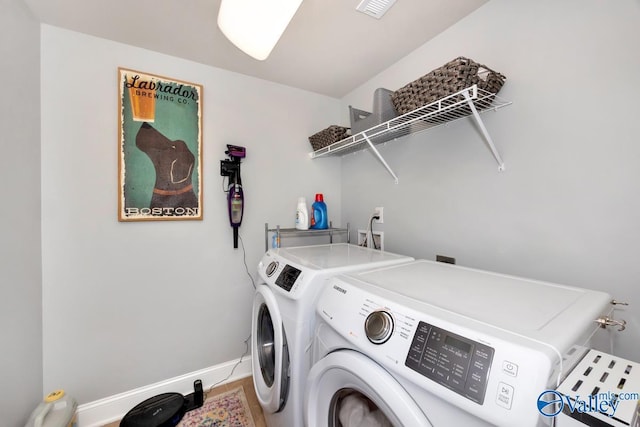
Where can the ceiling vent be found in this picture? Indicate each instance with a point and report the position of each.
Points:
(375, 8)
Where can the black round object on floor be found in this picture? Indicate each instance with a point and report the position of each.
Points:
(163, 410)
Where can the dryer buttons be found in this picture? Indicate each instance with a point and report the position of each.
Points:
(378, 327)
(509, 368)
(504, 397)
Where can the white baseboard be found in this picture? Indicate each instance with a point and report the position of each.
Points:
(113, 408)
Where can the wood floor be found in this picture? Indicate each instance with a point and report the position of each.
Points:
(247, 384)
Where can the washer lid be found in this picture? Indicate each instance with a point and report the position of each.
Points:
(336, 256)
(505, 301)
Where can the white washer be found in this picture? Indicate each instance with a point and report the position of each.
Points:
(283, 319)
(433, 344)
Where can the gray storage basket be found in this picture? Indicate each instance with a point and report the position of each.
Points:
(383, 110)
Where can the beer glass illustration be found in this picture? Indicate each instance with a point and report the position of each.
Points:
(143, 99)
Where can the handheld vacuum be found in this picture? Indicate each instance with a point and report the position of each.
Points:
(235, 197)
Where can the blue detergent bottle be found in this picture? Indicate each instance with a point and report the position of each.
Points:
(319, 219)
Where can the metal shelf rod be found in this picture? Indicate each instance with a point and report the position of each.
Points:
(382, 160)
(484, 131)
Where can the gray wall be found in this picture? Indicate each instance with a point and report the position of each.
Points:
(567, 207)
(130, 304)
(20, 260)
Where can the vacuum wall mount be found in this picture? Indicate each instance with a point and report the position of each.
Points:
(235, 196)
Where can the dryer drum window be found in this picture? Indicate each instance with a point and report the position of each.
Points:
(348, 404)
(266, 345)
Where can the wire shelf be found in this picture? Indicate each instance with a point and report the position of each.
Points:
(467, 102)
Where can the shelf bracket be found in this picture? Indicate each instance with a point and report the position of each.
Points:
(483, 129)
(379, 156)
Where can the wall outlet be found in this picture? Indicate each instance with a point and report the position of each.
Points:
(379, 212)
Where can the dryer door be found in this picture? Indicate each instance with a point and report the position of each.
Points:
(269, 352)
(347, 386)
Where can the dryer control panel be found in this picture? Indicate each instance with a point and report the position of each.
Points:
(287, 277)
(451, 360)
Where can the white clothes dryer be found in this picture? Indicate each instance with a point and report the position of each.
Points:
(283, 319)
(433, 344)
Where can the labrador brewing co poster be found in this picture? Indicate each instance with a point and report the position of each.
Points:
(160, 149)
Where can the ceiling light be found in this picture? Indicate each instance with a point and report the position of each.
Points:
(255, 26)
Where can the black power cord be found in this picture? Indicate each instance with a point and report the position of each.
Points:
(246, 341)
(370, 232)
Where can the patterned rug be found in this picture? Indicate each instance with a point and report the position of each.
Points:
(229, 409)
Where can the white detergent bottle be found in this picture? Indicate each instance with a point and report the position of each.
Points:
(302, 214)
(57, 410)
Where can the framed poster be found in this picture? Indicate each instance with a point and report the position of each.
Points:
(160, 148)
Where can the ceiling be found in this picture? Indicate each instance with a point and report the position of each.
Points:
(328, 48)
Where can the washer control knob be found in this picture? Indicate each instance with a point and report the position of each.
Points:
(378, 327)
(271, 268)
